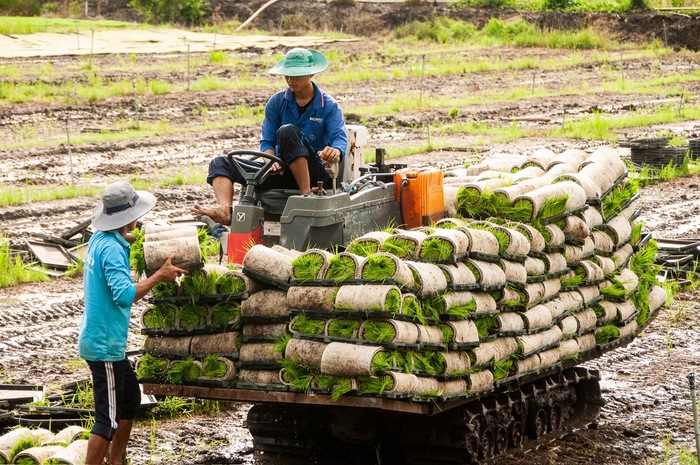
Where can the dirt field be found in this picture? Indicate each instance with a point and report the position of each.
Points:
(648, 416)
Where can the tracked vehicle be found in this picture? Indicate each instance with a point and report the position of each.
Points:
(493, 400)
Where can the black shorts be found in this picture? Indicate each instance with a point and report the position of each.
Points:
(117, 395)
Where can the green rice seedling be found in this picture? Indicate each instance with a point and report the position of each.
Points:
(208, 245)
(599, 311)
(553, 206)
(213, 367)
(199, 283)
(306, 325)
(230, 284)
(279, 346)
(306, 266)
(607, 334)
(640, 299)
(300, 377)
(183, 371)
(501, 237)
(461, 312)
(224, 313)
(636, 235)
(150, 367)
(615, 290)
(166, 289)
(430, 362)
(341, 268)
(614, 202)
(411, 306)
(341, 387)
(22, 445)
(379, 268)
(448, 333)
(502, 368)
(375, 385)
(385, 361)
(363, 248)
(25, 461)
(345, 328)
(475, 271)
(436, 249)
(192, 315)
(378, 331)
(161, 316)
(486, 325)
(137, 257)
(400, 247)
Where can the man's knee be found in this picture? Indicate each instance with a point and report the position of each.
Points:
(288, 132)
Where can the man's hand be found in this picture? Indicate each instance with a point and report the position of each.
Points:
(329, 155)
(169, 272)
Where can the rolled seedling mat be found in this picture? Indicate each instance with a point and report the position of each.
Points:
(479, 381)
(556, 171)
(159, 316)
(455, 300)
(555, 263)
(369, 298)
(402, 383)
(627, 279)
(344, 266)
(587, 320)
(606, 311)
(629, 329)
(592, 217)
(264, 261)
(573, 255)
(168, 345)
(590, 272)
(449, 193)
(481, 241)
(631, 211)
(268, 303)
(9, 440)
(389, 331)
(553, 236)
(509, 296)
(586, 342)
(38, 454)
(657, 297)
(531, 343)
(233, 280)
(537, 317)
(619, 229)
(264, 332)
(528, 173)
(187, 253)
(485, 303)
(305, 352)
(605, 263)
(308, 326)
(510, 322)
(622, 255)
(444, 245)
(259, 376)
(428, 278)
(451, 223)
(573, 197)
(605, 166)
(515, 272)
(150, 367)
(427, 385)
(456, 180)
(574, 226)
(590, 186)
(192, 315)
(569, 326)
(343, 359)
(568, 348)
(65, 436)
(572, 157)
(540, 158)
(487, 274)
(404, 244)
(369, 243)
(225, 370)
(383, 267)
(73, 454)
(217, 343)
(429, 335)
(588, 247)
(291, 253)
(549, 357)
(411, 306)
(602, 242)
(482, 355)
(263, 353)
(624, 310)
(526, 365)
(456, 361)
(464, 332)
(590, 294)
(534, 237)
(458, 275)
(556, 307)
(512, 244)
(312, 264)
(225, 313)
(316, 298)
(523, 186)
(535, 267)
(453, 387)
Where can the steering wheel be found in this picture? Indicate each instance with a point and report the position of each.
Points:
(258, 177)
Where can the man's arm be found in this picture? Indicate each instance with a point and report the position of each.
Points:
(167, 272)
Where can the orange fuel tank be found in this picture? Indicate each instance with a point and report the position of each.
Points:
(420, 196)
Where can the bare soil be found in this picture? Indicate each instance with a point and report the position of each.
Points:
(647, 416)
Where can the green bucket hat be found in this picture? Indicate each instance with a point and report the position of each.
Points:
(300, 62)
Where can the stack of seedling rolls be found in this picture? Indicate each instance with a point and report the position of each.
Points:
(540, 262)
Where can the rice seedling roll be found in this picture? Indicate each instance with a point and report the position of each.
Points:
(619, 229)
(455, 303)
(428, 278)
(530, 343)
(149, 367)
(386, 331)
(259, 352)
(269, 303)
(451, 222)
(486, 273)
(73, 453)
(629, 329)
(624, 310)
(225, 313)
(622, 255)
(602, 242)
(623, 284)
(217, 343)
(590, 294)
(259, 376)
(457, 274)
(168, 345)
(553, 235)
(515, 272)
(534, 266)
(403, 383)
(268, 262)
(571, 157)
(555, 263)
(510, 322)
(574, 226)
(589, 271)
(317, 298)
(548, 201)
(183, 371)
(188, 254)
(404, 244)
(568, 348)
(657, 298)
(343, 359)
(267, 332)
(606, 264)
(368, 244)
(306, 325)
(65, 436)
(460, 332)
(587, 319)
(344, 266)
(305, 352)
(369, 298)
(482, 355)
(429, 334)
(234, 282)
(569, 326)
(454, 361)
(449, 193)
(159, 316)
(311, 264)
(428, 386)
(591, 188)
(510, 192)
(511, 243)
(481, 241)
(291, 253)
(479, 381)
(444, 245)
(192, 315)
(537, 317)
(586, 342)
(549, 357)
(453, 387)
(382, 267)
(606, 311)
(532, 234)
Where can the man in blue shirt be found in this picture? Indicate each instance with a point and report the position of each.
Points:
(303, 126)
(109, 295)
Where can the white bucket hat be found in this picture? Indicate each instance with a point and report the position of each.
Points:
(120, 205)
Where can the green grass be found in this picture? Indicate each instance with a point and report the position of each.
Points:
(13, 270)
(16, 25)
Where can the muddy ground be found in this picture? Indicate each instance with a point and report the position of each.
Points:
(647, 418)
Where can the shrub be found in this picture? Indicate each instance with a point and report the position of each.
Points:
(557, 4)
(172, 11)
(20, 7)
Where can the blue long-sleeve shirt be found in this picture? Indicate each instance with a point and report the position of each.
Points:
(109, 296)
(322, 124)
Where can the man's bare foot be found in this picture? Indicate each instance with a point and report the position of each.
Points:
(220, 214)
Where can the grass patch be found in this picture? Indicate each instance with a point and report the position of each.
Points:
(13, 271)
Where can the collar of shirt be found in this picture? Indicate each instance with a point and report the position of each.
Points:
(317, 102)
